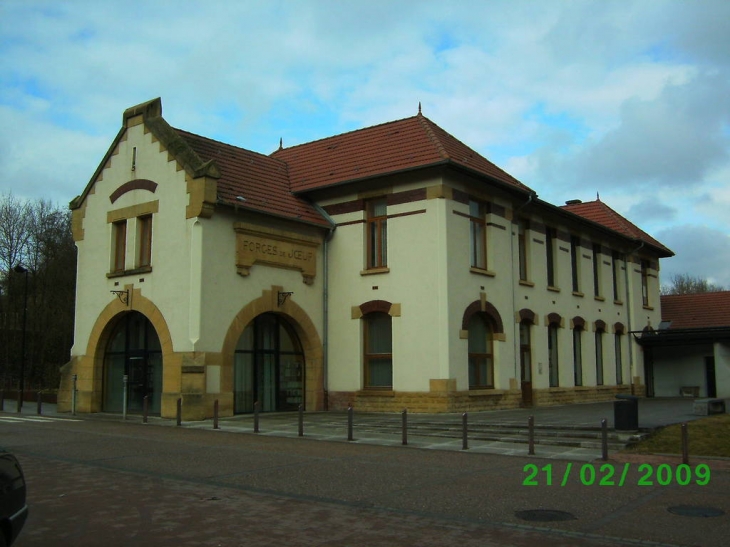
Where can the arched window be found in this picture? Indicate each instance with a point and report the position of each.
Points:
(578, 355)
(553, 367)
(481, 357)
(268, 366)
(378, 354)
(599, 356)
(134, 351)
(618, 333)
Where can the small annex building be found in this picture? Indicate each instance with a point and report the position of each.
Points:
(689, 354)
(390, 267)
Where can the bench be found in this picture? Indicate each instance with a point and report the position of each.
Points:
(705, 407)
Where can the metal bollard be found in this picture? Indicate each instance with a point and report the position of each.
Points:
(464, 432)
(404, 425)
(215, 414)
(604, 440)
(20, 402)
(145, 408)
(73, 395)
(349, 423)
(685, 444)
(179, 411)
(125, 388)
(256, 417)
(301, 421)
(2, 401)
(531, 435)
(39, 410)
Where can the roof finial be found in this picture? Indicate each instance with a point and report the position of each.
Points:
(598, 197)
(281, 143)
(419, 108)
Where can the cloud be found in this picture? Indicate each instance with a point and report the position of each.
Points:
(649, 210)
(700, 251)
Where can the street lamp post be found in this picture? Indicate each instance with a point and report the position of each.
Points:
(20, 269)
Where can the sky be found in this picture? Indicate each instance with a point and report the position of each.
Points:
(626, 99)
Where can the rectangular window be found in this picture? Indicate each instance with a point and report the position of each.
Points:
(522, 227)
(599, 357)
(378, 351)
(119, 245)
(478, 235)
(144, 241)
(377, 233)
(575, 262)
(577, 357)
(619, 360)
(596, 269)
(645, 282)
(550, 252)
(553, 355)
(616, 275)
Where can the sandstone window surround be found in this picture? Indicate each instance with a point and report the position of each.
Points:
(141, 236)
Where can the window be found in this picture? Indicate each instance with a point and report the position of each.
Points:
(377, 234)
(144, 241)
(478, 235)
(481, 358)
(599, 357)
(619, 361)
(575, 262)
(550, 239)
(522, 227)
(596, 270)
(553, 354)
(616, 270)
(577, 356)
(119, 245)
(378, 345)
(525, 352)
(645, 283)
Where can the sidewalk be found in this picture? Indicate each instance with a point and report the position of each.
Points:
(571, 432)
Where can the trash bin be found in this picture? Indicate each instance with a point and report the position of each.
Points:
(626, 412)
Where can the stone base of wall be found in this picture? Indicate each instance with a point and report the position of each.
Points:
(471, 401)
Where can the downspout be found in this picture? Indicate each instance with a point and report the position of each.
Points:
(628, 308)
(325, 298)
(516, 325)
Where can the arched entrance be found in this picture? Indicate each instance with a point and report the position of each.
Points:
(133, 350)
(268, 366)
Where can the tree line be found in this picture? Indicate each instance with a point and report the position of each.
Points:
(37, 267)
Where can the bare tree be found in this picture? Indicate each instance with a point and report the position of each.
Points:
(37, 235)
(689, 284)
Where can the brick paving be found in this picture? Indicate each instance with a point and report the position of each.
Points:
(105, 482)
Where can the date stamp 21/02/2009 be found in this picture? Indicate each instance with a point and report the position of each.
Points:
(608, 474)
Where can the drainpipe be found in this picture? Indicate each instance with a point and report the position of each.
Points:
(628, 314)
(325, 298)
(515, 325)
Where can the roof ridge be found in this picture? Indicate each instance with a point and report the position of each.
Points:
(426, 123)
(383, 124)
(229, 145)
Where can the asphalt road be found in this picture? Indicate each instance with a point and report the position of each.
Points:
(97, 482)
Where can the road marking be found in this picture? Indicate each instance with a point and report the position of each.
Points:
(41, 419)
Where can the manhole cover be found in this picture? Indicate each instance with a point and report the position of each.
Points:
(695, 511)
(544, 515)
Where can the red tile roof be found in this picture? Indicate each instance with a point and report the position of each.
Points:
(383, 149)
(688, 311)
(600, 213)
(261, 180)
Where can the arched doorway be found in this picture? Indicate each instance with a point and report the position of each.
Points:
(268, 366)
(134, 350)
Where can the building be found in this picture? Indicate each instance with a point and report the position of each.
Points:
(390, 267)
(689, 353)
